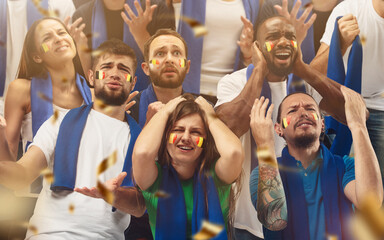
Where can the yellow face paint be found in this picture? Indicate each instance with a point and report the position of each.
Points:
(100, 75)
(172, 138)
(269, 45)
(45, 47)
(199, 141)
(294, 44)
(286, 121)
(182, 62)
(314, 115)
(128, 77)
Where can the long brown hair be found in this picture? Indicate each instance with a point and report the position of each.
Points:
(28, 68)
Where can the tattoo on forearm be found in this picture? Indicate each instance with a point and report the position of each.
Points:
(271, 203)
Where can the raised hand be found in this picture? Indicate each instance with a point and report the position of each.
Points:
(355, 109)
(261, 124)
(129, 103)
(171, 105)
(153, 108)
(246, 40)
(76, 32)
(349, 29)
(258, 59)
(138, 24)
(112, 185)
(298, 22)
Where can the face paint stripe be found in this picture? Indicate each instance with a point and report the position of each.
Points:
(128, 77)
(269, 45)
(314, 115)
(100, 75)
(286, 122)
(182, 62)
(199, 141)
(172, 138)
(294, 43)
(45, 47)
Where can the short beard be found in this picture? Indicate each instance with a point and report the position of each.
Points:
(305, 141)
(117, 99)
(157, 81)
(280, 71)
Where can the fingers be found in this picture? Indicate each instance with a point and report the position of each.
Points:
(3, 123)
(66, 20)
(295, 10)
(283, 9)
(131, 14)
(120, 178)
(139, 9)
(306, 13)
(270, 110)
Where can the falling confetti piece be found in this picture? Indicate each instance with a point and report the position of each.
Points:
(106, 163)
(64, 80)
(108, 196)
(104, 107)
(332, 237)
(197, 28)
(363, 40)
(55, 116)
(45, 12)
(372, 216)
(71, 208)
(97, 53)
(208, 231)
(44, 97)
(263, 153)
(309, 4)
(48, 175)
(161, 194)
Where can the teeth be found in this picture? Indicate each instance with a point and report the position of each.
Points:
(283, 54)
(185, 148)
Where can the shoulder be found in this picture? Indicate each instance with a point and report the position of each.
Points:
(230, 86)
(19, 92)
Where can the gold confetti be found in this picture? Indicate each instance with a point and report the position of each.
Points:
(208, 231)
(97, 53)
(363, 40)
(332, 237)
(33, 229)
(45, 12)
(71, 208)
(106, 163)
(161, 194)
(26, 225)
(104, 107)
(48, 175)
(64, 80)
(108, 196)
(44, 97)
(55, 116)
(197, 28)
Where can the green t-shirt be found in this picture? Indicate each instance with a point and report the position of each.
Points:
(151, 201)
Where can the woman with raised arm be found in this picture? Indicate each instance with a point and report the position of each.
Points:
(188, 154)
(47, 82)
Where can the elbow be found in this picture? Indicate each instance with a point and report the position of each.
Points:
(276, 225)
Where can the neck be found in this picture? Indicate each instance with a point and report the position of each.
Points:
(184, 170)
(117, 112)
(64, 77)
(164, 95)
(271, 77)
(304, 155)
(378, 5)
(114, 4)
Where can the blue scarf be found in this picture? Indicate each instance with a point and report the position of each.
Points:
(99, 26)
(343, 140)
(196, 9)
(32, 15)
(42, 109)
(336, 205)
(147, 97)
(68, 143)
(171, 219)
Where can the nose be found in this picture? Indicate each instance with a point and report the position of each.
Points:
(283, 42)
(169, 58)
(303, 112)
(186, 137)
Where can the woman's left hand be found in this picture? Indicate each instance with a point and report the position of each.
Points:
(76, 32)
(207, 107)
(246, 40)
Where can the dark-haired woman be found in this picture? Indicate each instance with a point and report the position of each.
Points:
(186, 152)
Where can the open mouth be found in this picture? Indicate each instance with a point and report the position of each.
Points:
(282, 56)
(185, 148)
(62, 48)
(304, 124)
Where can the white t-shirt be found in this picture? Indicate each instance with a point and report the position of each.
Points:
(229, 87)
(92, 218)
(17, 29)
(372, 28)
(222, 19)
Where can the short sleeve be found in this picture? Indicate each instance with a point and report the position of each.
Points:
(349, 174)
(340, 10)
(253, 182)
(230, 86)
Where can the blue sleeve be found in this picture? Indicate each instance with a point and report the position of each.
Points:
(349, 174)
(254, 180)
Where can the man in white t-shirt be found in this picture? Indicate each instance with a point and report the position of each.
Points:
(64, 214)
(275, 55)
(367, 19)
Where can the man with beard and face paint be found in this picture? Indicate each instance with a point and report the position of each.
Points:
(166, 64)
(275, 53)
(73, 147)
(308, 192)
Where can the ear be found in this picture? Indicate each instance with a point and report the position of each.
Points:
(91, 78)
(133, 83)
(37, 59)
(145, 67)
(322, 125)
(279, 129)
(188, 65)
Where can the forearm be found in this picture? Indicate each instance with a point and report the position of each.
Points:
(333, 99)
(271, 202)
(141, 39)
(230, 150)
(235, 114)
(320, 62)
(13, 175)
(6, 153)
(85, 59)
(130, 200)
(367, 170)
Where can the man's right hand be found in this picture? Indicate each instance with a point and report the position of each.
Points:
(153, 108)
(349, 29)
(258, 59)
(261, 123)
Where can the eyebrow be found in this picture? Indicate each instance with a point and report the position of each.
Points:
(128, 69)
(106, 64)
